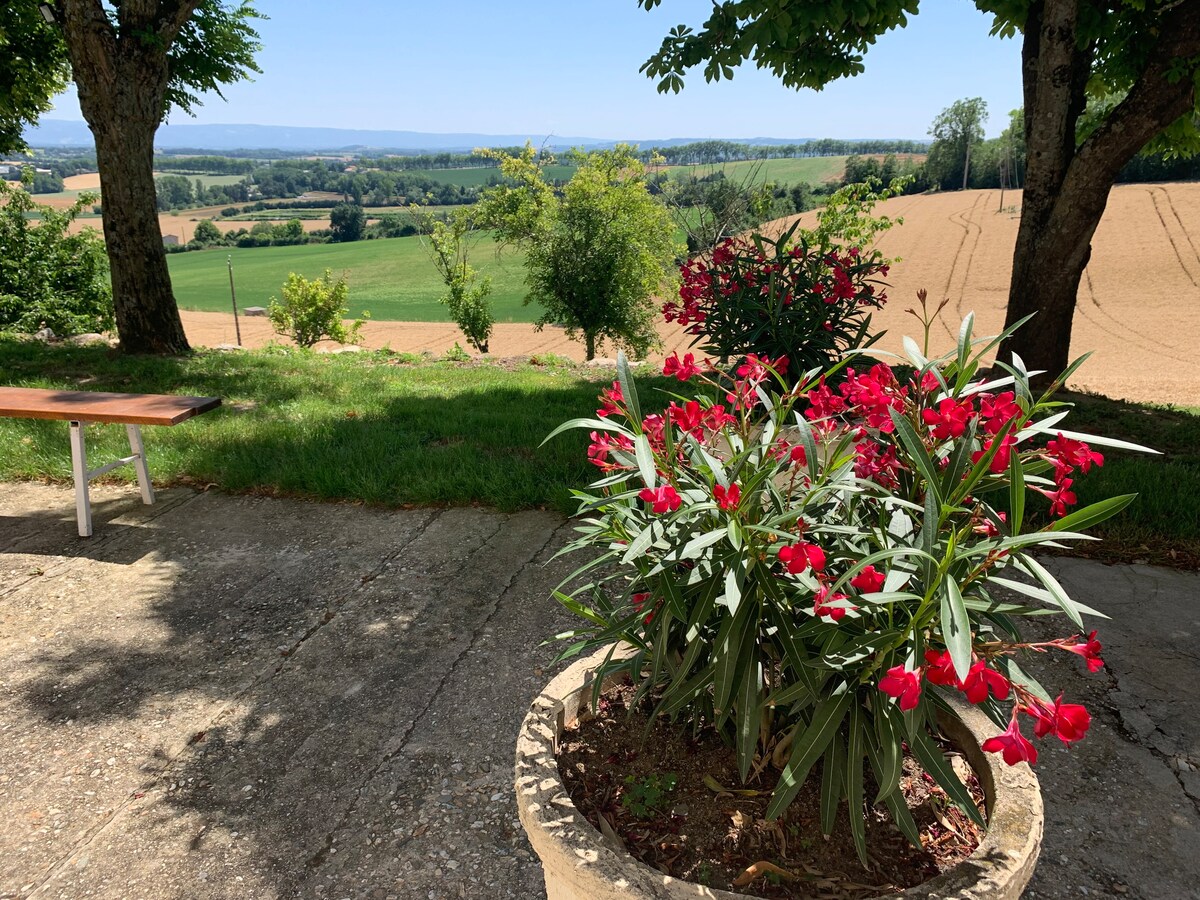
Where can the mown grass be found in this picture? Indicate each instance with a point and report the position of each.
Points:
(356, 427)
(1163, 523)
(392, 278)
(383, 429)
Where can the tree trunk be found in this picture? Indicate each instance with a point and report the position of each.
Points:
(147, 315)
(1067, 184)
(967, 164)
(122, 83)
(590, 341)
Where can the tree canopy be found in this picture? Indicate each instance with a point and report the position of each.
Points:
(35, 70)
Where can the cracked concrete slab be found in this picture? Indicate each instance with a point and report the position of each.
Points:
(234, 697)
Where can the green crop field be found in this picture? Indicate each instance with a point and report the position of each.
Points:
(391, 278)
(480, 175)
(206, 180)
(813, 169)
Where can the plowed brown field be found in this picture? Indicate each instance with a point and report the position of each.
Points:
(1139, 303)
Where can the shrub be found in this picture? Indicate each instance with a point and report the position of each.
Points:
(207, 233)
(314, 311)
(806, 295)
(810, 570)
(47, 276)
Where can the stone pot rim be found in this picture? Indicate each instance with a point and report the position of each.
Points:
(571, 848)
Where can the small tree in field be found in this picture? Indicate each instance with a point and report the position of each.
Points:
(597, 254)
(347, 221)
(313, 311)
(466, 293)
(207, 233)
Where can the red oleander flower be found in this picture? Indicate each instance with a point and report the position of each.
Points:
(903, 683)
(610, 401)
(798, 557)
(995, 411)
(662, 499)
(1013, 745)
(715, 418)
(1000, 460)
(951, 418)
(939, 668)
(602, 444)
(681, 369)
(823, 602)
(727, 498)
(1067, 721)
(689, 417)
(869, 580)
(1090, 651)
(981, 680)
(639, 604)
(1060, 498)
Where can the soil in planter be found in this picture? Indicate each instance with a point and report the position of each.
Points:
(658, 793)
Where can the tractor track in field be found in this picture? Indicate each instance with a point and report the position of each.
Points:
(960, 269)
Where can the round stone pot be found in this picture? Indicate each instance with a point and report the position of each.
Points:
(579, 864)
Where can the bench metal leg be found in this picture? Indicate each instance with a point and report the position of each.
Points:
(83, 506)
(139, 464)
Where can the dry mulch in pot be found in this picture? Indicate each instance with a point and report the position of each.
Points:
(675, 802)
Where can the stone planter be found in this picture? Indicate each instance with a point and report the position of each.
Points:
(580, 865)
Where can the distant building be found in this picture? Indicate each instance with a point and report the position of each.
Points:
(171, 240)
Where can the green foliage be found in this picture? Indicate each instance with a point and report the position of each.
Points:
(807, 45)
(35, 70)
(782, 562)
(957, 133)
(347, 221)
(207, 232)
(597, 254)
(646, 796)
(466, 293)
(805, 296)
(49, 277)
(215, 47)
(313, 311)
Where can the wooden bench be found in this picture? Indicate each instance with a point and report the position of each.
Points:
(81, 407)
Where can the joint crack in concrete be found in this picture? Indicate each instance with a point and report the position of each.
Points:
(318, 858)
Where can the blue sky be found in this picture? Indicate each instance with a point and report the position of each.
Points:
(570, 68)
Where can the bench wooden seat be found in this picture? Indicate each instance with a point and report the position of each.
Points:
(81, 407)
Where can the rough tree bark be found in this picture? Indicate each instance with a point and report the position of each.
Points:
(121, 76)
(1067, 184)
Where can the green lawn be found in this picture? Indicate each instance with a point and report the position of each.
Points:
(378, 428)
(813, 169)
(362, 427)
(391, 278)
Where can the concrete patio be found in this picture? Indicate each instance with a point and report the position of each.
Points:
(233, 697)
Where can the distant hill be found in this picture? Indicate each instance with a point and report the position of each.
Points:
(64, 133)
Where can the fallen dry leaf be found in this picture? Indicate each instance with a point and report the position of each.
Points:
(758, 870)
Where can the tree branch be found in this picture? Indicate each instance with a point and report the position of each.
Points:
(1154, 101)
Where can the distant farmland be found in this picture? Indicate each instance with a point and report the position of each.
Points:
(393, 278)
(813, 169)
